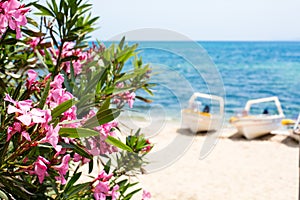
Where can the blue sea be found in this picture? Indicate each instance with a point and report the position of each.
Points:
(237, 71)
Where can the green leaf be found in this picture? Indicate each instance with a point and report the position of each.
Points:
(105, 105)
(117, 143)
(55, 8)
(3, 85)
(77, 149)
(17, 91)
(143, 99)
(113, 90)
(107, 166)
(102, 117)
(71, 182)
(98, 77)
(57, 111)
(133, 74)
(85, 102)
(9, 41)
(45, 95)
(121, 44)
(33, 33)
(91, 166)
(44, 11)
(76, 189)
(41, 59)
(129, 196)
(60, 18)
(77, 132)
(31, 21)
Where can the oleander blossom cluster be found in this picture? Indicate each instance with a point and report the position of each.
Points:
(97, 144)
(12, 15)
(61, 97)
(27, 115)
(103, 188)
(68, 51)
(127, 96)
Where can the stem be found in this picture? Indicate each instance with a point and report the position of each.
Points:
(58, 61)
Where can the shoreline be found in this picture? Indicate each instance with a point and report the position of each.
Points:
(236, 168)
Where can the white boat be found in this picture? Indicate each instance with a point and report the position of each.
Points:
(199, 121)
(295, 132)
(253, 126)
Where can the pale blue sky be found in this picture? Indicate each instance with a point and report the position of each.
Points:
(202, 19)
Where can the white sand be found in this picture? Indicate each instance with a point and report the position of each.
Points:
(266, 168)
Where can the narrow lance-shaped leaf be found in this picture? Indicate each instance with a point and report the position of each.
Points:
(77, 149)
(105, 105)
(121, 44)
(91, 84)
(44, 11)
(71, 182)
(144, 99)
(129, 196)
(117, 143)
(45, 95)
(77, 132)
(40, 57)
(17, 91)
(91, 166)
(102, 117)
(57, 111)
(107, 166)
(132, 74)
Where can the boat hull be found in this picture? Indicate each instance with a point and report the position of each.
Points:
(257, 127)
(198, 122)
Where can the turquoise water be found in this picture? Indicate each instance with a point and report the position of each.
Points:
(247, 70)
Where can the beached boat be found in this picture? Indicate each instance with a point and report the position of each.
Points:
(204, 120)
(295, 131)
(253, 126)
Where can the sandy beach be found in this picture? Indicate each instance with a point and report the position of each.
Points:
(264, 168)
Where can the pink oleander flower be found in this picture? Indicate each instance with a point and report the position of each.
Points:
(127, 96)
(62, 169)
(146, 195)
(130, 96)
(97, 144)
(52, 138)
(47, 116)
(78, 158)
(21, 108)
(58, 95)
(12, 14)
(40, 168)
(27, 115)
(68, 50)
(32, 75)
(17, 127)
(114, 193)
(102, 189)
(34, 41)
(31, 82)
(147, 148)
(57, 82)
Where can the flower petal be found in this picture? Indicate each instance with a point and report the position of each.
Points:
(25, 119)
